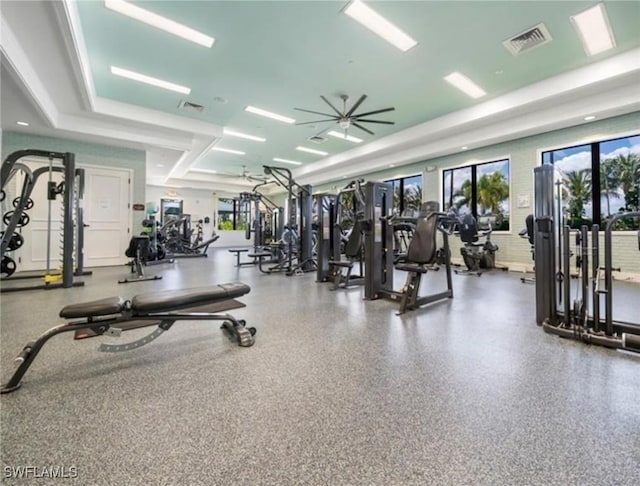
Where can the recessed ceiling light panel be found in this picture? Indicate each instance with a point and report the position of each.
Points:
(465, 85)
(233, 133)
(590, 117)
(162, 23)
(226, 150)
(594, 30)
(376, 23)
(22, 124)
(286, 161)
(125, 73)
(203, 171)
(269, 114)
(311, 151)
(343, 136)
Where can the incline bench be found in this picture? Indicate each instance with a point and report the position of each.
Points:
(114, 315)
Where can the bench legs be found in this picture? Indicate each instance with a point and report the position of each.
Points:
(236, 329)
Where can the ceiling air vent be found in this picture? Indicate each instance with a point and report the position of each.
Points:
(189, 106)
(317, 139)
(527, 40)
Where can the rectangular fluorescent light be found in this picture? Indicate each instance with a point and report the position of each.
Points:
(149, 80)
(311, 151)
(203, 171)
(233, 133)
(268, 114)
(376, 23)
(285, 161)
(465, 85)
(344, 136)
(22, 124)
(594, 30)
(155, 20)
(229, 151)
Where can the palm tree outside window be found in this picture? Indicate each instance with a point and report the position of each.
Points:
(598, 181)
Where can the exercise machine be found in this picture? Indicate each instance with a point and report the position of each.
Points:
(71, 188)
(138, 250)
(422, 254)
(528, 234)
(348, 235)
(576, 315)
(325, 205)
(475, 254)
(113, 316)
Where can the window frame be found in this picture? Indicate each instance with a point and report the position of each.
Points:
(594, 144)
(473, 203)
(401, 179)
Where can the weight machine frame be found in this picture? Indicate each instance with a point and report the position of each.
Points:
(10, 167)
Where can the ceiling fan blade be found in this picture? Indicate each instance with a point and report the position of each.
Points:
(362, 128)
(384, 110)
(317, 121)
(355, 107)
(375, 121)
(332, 107)
(314, 112)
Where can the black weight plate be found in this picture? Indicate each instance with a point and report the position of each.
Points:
(29, 205)
(23, 221)
(8, 267)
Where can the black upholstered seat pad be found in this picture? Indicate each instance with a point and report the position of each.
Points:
(102, 307)
(178, 299)
(412, 268)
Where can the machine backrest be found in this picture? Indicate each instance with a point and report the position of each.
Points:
(353, 248)
(422, 248)
(529, 225)
(135, 243)
(468, 229)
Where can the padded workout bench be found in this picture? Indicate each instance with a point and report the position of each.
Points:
(114, 315)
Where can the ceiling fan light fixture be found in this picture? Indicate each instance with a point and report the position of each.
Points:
(269, 114)
(159, 22)
(344, 124)
(376, 23)
(142, 78)
(465, 85)
(344, 136)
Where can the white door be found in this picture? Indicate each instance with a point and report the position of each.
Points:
(107, 212)
(107, 216)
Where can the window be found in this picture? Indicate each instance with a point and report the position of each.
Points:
(407, 193)
(232, 214)
(598, 180)
(480, 189)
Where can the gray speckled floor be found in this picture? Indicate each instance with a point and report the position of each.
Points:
(336, 391)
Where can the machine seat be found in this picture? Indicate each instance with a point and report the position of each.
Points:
(412, 268)
(342, 264)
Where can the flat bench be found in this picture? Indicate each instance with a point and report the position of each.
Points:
(114, 315)
(238, 251)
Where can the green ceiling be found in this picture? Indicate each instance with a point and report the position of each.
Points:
(279, 55)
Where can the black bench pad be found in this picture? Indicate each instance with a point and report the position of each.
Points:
(178, 299)
(102, 307)
(412, 268)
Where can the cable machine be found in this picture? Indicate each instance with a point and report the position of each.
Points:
(71, 189)
(576, 315)
(297, 235)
